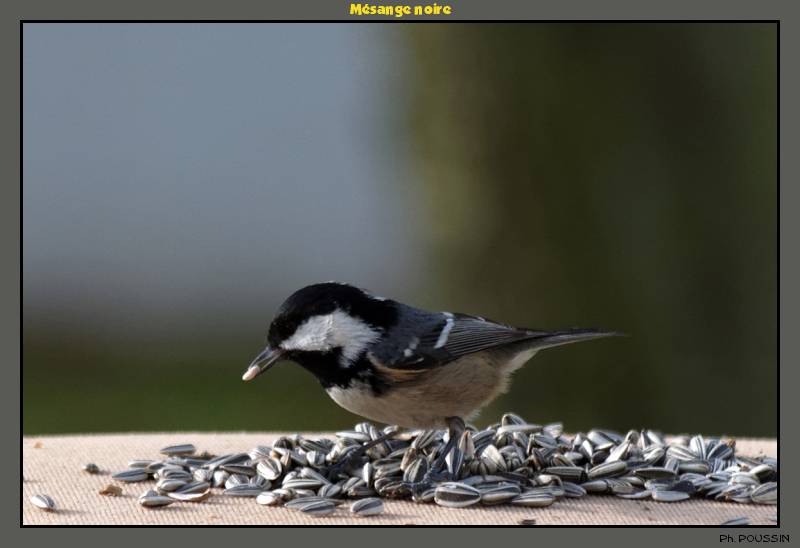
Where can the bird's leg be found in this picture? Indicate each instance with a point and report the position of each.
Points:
(438, 470)
(354, 456)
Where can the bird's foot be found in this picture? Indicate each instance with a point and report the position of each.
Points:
(341, 468)
(355, 457)
(429, 481)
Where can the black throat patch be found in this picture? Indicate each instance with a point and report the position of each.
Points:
(327, 368)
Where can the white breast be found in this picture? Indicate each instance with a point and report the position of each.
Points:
(458, 389)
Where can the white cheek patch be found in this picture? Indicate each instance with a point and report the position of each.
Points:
(311, 335)
(335, 330)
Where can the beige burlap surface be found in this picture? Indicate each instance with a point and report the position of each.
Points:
(51, 465)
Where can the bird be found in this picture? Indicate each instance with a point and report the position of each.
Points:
(397, 364)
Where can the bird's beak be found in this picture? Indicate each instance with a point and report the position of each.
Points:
(263, 361)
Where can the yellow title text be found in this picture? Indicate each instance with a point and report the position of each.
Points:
(400, 10)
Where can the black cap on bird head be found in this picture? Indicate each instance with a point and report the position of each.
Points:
(304, 322)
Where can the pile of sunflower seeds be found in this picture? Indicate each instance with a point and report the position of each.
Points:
(511, 462)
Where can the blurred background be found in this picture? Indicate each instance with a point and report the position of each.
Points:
(181, 180)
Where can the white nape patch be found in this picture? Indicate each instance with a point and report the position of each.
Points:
(411, 347)
(440, 342)
(335, 330)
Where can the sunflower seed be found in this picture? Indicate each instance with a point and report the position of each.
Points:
(190, 497)
(619, 487)
(669, 496)
(315, 458)
(456, 495)
(367, 507)
(318, 508)
(269, 468)
(269, 498)
(466, 445)
(360, 437)
(243, 490)
(143, 463)
(766, 493)
(524, 427)
(763, 472)
(493, 459)
(166, 484)
(637, 495)
(179, 450)
(359, 491)
(285, 494)
(569, 473)
(736, 522)
(154, 500)
(512, 461)
(260, 482)
(300, 501)
(302, 483)
(132, 475)
(425, 496)
(203, 474)
(233, 458)
(721, 450)
(194, 487)
(499, 494)
(596, 486)
(416, 470)
(176, 474)
(44, 502)
(330, 490)
(220, 478)
(681, 453)
(573, 490)
(511, 418)
(620, 452)
(533, 500)
(694, 466)
(607, 470)
(367, 473)
(239, 470)
(236, 479)
(454, 461)
(654, 472)
(683, 486)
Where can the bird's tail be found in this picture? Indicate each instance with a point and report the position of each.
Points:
(568, 336)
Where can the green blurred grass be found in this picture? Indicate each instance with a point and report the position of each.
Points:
(74, 388)
(72, 385)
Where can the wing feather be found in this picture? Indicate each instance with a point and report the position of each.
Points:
(457, 335)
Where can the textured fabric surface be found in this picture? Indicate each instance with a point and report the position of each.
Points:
(52, 466)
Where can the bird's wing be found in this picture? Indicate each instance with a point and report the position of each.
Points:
(448, 338)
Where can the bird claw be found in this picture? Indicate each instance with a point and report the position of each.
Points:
(430, 480)
(339, 469)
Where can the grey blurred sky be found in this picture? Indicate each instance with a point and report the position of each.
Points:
(210, 165)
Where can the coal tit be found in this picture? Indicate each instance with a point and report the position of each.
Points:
(396, 364)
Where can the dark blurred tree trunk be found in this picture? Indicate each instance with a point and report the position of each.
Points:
(622, 176)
